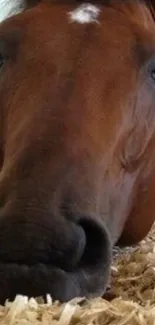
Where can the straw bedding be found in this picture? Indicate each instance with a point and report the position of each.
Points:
(132, 289)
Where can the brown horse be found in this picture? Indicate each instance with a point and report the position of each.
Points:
(77, 142)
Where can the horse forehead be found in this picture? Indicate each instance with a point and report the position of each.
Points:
(109, 25)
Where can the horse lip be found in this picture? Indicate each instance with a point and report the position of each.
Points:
(35, 280)
(40, 279)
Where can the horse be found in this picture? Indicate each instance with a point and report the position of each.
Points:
(77, 142)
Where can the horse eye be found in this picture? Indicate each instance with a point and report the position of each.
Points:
(153, 74)
(151, 70)
(1, 60)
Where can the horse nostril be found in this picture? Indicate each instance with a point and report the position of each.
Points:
(77, 244)
(73, 248)
(97, 252)
(90, 246)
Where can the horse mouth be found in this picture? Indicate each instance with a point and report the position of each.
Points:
(36, 280)
(41, 279)
(88, 278)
